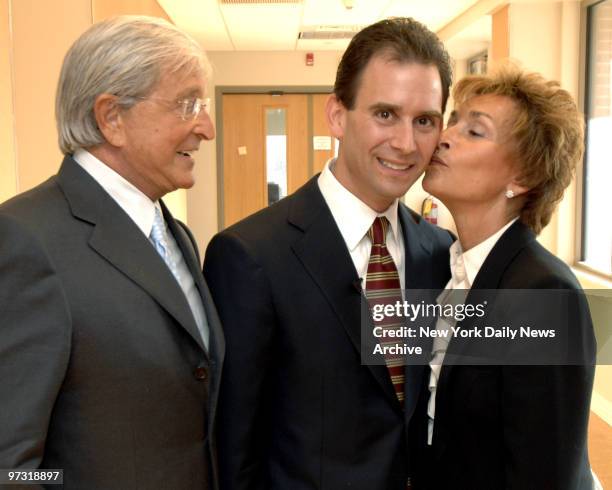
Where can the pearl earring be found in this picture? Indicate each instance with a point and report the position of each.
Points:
(509, 194)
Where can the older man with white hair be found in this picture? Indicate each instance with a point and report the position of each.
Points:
(110, 344)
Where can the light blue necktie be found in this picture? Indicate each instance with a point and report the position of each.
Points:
(159, 239)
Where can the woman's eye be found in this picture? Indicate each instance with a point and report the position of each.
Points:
(475, 133)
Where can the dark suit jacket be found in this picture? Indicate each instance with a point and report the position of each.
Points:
(104, 374)
(297, 409)
(516, 427)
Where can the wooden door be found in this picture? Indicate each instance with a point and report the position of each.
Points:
(323, 152)
(247, 138)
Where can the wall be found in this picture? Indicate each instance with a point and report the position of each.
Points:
(8, 163)
(102, 9)
(42, 33)
(555, 29)
(280, 68)
(538, 25)
(34, 37)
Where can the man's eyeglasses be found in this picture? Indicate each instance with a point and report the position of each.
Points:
(188, 109)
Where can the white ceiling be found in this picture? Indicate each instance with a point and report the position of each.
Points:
(270, 25)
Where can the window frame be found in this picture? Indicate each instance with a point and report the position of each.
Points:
(581, 171)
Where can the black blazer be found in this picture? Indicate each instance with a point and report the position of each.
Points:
(103, 370)
(297, 409)
(505, 427)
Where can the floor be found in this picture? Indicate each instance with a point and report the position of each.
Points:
(600, 450)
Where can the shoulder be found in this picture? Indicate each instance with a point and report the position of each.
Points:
(534, 267)
(37, 206)
(439, 238)
(23, 253)
(282, 221)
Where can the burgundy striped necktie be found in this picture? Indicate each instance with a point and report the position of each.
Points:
(383, 287)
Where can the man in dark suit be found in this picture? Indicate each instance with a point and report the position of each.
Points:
(298, 407)
(110, 344)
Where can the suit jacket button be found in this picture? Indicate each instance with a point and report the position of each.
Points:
(201, 374)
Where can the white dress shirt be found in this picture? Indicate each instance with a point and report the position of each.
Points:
(464, 268)
(354, 218)
(142, 212)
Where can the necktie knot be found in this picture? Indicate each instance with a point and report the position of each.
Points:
(378, 231)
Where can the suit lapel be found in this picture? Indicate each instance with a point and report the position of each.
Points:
(418, 273)
(116, 238)
(216, 343)
(324, 255)
(489, 277)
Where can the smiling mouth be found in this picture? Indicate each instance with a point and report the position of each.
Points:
(393, 166)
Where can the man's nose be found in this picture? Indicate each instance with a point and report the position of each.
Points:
(204, 127)
(403, 138)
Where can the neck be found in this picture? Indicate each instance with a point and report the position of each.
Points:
(110, 157)
(475, 225)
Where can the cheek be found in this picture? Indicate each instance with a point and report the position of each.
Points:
(428, 142)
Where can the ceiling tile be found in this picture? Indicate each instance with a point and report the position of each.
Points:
(434, 14)
(333, 12)
(263, 27)
(202, 19)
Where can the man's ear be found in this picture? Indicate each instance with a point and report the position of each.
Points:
(109, 118)
(336, 116)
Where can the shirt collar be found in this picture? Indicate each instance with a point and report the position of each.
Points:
(475, 256)
(352, 216)
(133, 201)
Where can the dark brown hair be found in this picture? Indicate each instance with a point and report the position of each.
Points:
(404, 40)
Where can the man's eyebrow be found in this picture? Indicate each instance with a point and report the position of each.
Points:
(434, 114)
(190, 92)
(380, 106)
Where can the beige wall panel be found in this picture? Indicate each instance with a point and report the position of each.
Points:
(535, 36)
(103, 9)
(273, 68)
(8, 170)
(42, 33)
(538, 25)
(500, 43)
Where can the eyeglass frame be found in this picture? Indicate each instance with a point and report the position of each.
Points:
(198, 104)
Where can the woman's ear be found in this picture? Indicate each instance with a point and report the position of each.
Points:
(109, 118)
(515, 188)
(336, 116)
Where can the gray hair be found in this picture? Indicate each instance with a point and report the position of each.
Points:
(125, 56)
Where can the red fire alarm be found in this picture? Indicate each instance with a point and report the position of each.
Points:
(309, 59)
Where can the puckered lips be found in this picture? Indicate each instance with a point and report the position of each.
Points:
(437, 160)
